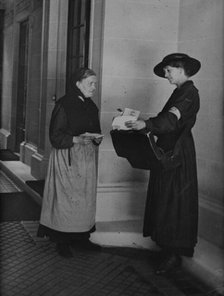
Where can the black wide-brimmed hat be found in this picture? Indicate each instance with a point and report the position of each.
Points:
(191, 64)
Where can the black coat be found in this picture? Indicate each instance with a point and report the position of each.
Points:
(72, 115)
(171, 213)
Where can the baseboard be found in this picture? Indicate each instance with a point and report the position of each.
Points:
(211, 221)
(120, 202)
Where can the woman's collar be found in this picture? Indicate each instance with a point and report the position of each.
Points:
(186, 83)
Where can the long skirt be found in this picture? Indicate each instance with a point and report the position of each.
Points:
(69, 201)
(171, 213)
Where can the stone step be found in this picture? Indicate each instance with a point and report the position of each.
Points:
(207, 263)
(126, 233)
(20, 173)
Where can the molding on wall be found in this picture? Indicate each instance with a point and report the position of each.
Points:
(124, 186)
(37, 162)
(39, 166)
(120, 202)
(5, 138)
(211, 219)
(26, 152)
(218, 209)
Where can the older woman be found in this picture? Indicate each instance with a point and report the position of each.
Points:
(69, 201)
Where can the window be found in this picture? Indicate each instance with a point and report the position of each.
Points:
(78, 36)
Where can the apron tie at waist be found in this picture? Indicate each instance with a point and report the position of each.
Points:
(69, 156)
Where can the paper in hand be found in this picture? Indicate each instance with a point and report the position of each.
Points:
(92, 135)
(128, 115)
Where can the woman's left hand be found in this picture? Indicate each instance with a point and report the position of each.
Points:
(135, 125)
(97, 141)
(81, 140)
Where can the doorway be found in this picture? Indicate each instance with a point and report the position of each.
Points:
(1, 55)
(22, 84)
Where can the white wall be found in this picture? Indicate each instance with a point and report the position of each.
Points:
(136, 36)
(201, 34)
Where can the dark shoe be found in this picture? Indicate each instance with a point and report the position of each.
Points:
(63, 250)
(91, 246)
(157, 254)
(86, 245)
(169, 264)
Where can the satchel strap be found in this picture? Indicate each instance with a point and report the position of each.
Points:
(159, 153)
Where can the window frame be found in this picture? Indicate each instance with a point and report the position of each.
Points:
(78, 36)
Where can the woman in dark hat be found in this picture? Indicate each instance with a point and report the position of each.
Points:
(69, 201)
(171, 213)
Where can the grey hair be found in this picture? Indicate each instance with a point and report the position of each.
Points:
(82, 73)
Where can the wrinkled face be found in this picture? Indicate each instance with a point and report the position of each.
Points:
(87, 86)
(173, 74)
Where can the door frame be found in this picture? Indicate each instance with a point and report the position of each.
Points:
(23, 56)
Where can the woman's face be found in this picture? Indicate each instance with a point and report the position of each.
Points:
(87, 86)
(173, 74)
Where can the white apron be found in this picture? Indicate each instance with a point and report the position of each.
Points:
(69, 201)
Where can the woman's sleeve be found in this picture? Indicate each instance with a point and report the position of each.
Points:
(60, 136)
(163, 123)
(183, 110)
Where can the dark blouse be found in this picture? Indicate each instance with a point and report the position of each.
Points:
(166, 124)
(72, 116)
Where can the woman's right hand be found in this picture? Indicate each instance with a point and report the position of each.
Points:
(135, 125)
(81, 140)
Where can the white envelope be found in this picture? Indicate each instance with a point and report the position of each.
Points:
(119, 122)
(131, 112)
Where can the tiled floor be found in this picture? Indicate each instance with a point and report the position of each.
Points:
(31, 266)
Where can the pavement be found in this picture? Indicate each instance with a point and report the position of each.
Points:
(31, 266)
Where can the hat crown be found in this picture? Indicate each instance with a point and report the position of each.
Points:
(175, 56)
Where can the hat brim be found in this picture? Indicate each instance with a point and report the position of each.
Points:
(192, 64)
